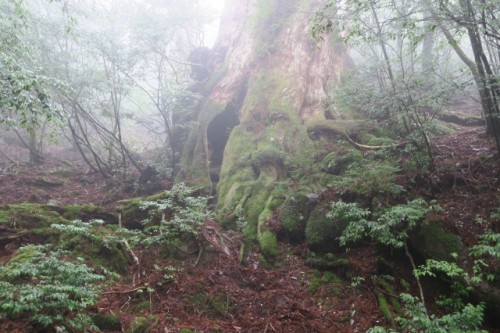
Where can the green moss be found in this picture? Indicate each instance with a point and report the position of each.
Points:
(248, 180)
(107, 321)
(372, 140)
(269, 245)
(326, 261)
(29, 216)
(322, 232)
(218, 305)
(388, 289)
(142, 325)
(384, 307)
(87, 212)
(326, 279)
(187, 330)
(432, 241)
(294, 214)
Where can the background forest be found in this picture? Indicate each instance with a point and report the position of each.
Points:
(318, 166)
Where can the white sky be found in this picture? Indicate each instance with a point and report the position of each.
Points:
(217, 6)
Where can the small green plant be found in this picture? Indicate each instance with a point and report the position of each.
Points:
(182, 216)
(369, 178)
(391, 228)
(356, 281)
(416, 319)
(487, 247)
(489, 244)
(53, 293)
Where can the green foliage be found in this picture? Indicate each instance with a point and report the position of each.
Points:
(369, 178)
(25, 93)
(489, 244)
(347, 212)
(415, 319)
(51, 292)
(431, 266)
(293, 215)
(391, 228)
(102, 245)
(183, 216)
(24, 96)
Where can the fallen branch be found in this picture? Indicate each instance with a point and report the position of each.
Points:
(129, 249)
(123, 291)
(200, 253)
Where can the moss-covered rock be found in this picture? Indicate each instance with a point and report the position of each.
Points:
(142, 325)
(294, 214)
(107, 322)
(434, 242)
(322, 232)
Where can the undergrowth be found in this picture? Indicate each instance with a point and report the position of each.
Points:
(52, 292)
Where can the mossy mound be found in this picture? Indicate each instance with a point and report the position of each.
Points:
(88, 212)
(142, 325)
(97, 250)
(294, 214)
(216, 306)
(107, 322)
(132, 214)
(30, 216)
(322, 232)
(434, 242)
(28, 223)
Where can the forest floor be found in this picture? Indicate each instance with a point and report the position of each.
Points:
(218, 294)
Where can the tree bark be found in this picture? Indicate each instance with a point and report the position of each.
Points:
(269, 79)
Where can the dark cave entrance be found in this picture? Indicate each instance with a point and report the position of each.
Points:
(218, 132)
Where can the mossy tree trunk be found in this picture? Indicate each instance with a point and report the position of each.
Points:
(268, 80)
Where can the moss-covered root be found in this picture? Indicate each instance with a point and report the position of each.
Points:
(268, 241)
